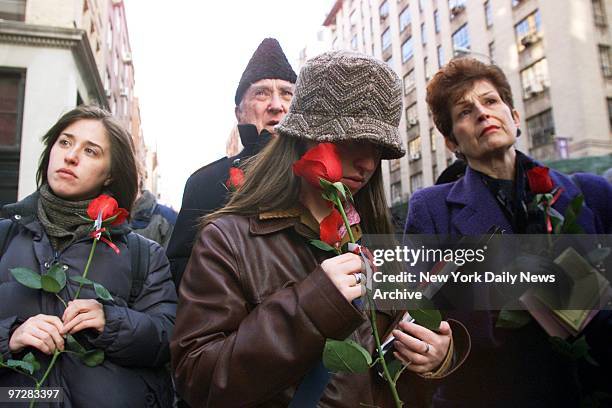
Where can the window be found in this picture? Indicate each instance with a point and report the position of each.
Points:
(396, 193)
(541, 128)
(416, 182)
(109, 36)
(461, 39)
(434, 171)
(11, 107)
(386, 39)
(423, 34)
(414, 148)
(404, 19)
(492, 50)
(411, 116)
(383, 10)
(12, 10)
(516, 3)
(409, 82)
(420, 5)
(426, 68)
(528, 30)
(440, 56)
(604, 60)
(353, 18)
(354, 42)
(535, 78)
(610, 111)
(488, 14)
(437, 21)
(390, 62)
(432, 139)
(599, 13)
(394, 165)
(407, 50)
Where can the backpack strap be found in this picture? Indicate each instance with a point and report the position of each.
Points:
(7, 232)
(139, 254)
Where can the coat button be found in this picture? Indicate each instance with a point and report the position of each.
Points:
(46, 264)
(65, 267)
(17, 217)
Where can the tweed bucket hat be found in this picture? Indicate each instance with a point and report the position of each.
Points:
(343, 95)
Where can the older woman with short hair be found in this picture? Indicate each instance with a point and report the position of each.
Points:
(472, 106)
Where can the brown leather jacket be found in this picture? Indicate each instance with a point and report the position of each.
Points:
(254, 311)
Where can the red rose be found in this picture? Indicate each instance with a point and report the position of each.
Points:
(108, 206)
(330, 226)
(320, 162)
(235, 180)
(539, 180)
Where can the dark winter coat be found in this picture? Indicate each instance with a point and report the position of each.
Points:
(135, 337)
(514, 367)
(152, 220)
(204, 193)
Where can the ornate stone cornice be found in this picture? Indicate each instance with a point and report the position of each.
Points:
(19, 33)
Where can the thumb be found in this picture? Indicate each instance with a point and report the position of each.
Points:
(444, 328)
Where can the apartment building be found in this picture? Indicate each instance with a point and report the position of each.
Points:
(556, 54)
(54, 55)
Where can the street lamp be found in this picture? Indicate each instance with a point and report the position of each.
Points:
(459, 52)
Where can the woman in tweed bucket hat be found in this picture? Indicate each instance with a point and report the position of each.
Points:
(266, 299)
(342, 95)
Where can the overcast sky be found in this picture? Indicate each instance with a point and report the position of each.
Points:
(188, 58)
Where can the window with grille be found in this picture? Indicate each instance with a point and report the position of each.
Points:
(541, 128)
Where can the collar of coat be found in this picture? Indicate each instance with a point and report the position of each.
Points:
(298, 217)
(480, 211)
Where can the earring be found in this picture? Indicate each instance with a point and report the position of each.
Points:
(518, 132)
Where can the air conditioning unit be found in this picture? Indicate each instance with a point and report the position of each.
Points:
(532, 90)
(107, 92)
(383, 17)
(529, 39)
(412, 122)
(415, 156)
(124, 91)
(457, 10)
(127, 57)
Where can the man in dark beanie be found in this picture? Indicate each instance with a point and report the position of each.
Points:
(262, 99)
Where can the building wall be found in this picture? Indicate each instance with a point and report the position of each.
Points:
(573, 87)
(45, 100)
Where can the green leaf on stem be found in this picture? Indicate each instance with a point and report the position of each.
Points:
(429, 319)
(512, 319)
(340, 187)
(27, 277)
(325, 185)
(73, 345)
(329, 196)
(598, 255)
(92, 358)
(49, 284)
(29, 358)
(85, 218)
(396, 368)
(21, 365)
(58, 273)
(349, 194)
(322, 245)
(570, 225)
(346, 356)
(580, 348)
(102, 292)
(81, 280)
(561, 346)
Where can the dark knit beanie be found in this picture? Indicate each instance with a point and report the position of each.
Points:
(268, 62)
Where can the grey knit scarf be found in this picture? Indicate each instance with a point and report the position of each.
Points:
(60, 218)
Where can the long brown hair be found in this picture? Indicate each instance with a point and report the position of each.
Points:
(271, 185)
(124, 173)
